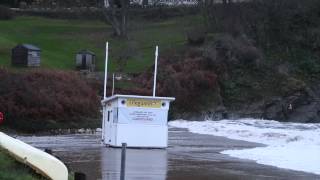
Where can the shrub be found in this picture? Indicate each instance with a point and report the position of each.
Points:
(46, 97)
(188, 80)
(270, 23)
(5, 13)
(234, 51)
(196, 36)
(158, 13)
(313, 39)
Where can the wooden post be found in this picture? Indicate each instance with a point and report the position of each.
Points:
(123, 161)
(47, 150)
(79, 176)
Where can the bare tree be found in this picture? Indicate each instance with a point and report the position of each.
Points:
(116, 13)
(216, 12)
(207, 6)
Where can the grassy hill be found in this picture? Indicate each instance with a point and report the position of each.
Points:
(61, 39)
(10, 169)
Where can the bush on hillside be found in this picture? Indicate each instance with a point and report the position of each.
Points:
(232, 51)
(196, 36)
(285, 31)
(187, 80)
(38, 97)
(271, 23)
(157, 13)
(313, 39)
(5, 13)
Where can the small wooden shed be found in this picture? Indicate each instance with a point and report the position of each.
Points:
(86, 60)
(26, 55)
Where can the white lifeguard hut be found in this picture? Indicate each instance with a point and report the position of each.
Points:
(138, 121)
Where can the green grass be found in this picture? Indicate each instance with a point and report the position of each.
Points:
(61, 39)
(12, 170)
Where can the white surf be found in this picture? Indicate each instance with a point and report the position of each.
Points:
(292, 146)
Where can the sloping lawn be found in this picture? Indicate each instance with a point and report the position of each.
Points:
(61, 39)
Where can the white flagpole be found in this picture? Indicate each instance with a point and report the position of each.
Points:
(105, 91)
(106, 72)
(112, 84)
(155, 72)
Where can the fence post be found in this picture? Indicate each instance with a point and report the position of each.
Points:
(123, 161)
(79, 176)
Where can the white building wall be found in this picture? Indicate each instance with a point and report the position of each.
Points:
(136, 125)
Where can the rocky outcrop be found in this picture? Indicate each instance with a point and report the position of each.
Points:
(229, 79)
(301, 106)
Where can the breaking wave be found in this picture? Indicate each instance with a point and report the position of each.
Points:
(292, 146)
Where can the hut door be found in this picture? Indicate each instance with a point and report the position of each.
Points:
(105, 126)
(83, 62)
(110, 128)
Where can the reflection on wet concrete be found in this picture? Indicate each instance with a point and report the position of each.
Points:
(140, 164)
(188, 157)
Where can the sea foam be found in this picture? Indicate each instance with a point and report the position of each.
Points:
(292, 146)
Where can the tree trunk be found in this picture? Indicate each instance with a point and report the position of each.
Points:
(116, 15)
(124, 14)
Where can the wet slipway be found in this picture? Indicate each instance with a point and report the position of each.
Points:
(189, 156)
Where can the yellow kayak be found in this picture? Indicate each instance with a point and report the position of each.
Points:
(42, 162)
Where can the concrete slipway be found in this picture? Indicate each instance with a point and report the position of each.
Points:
(189, 156)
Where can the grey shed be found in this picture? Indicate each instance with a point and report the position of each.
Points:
(26, 55)
(86, 60)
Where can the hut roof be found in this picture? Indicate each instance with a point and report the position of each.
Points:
(30, 47)
(85, 51)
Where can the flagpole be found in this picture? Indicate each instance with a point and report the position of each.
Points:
(155, 72)
(106, 72)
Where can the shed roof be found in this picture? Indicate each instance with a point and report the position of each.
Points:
(85, 51)
(30, 47)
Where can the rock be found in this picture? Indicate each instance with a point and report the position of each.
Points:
(305, 107)
(284, 69)
(217, 113)
(291, 85)
(298, 107)
(276, 109)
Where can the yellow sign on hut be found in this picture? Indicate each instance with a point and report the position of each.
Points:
(146, 103)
